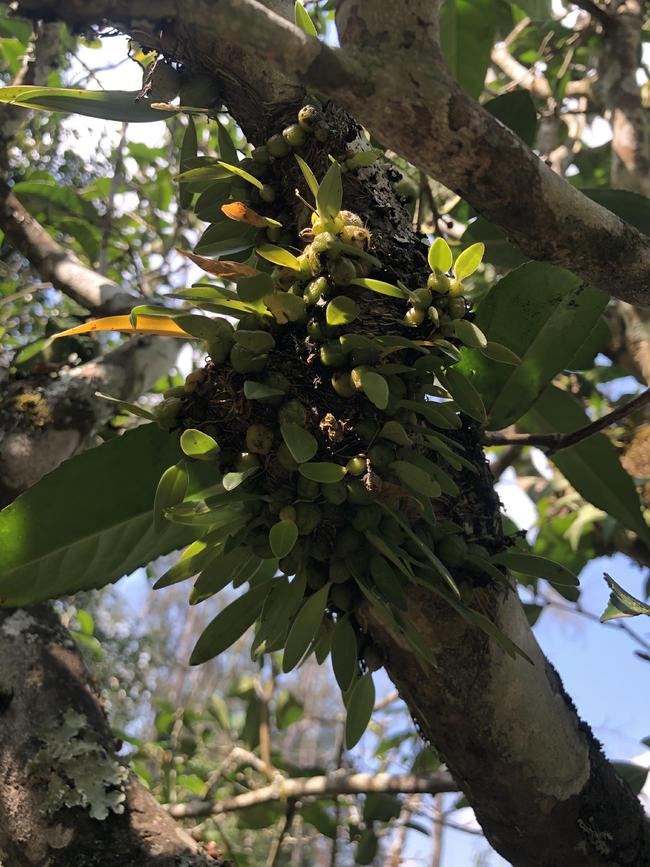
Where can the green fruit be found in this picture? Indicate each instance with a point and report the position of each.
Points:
(267, 193)
(245, 361)
(309, 116)
(434, 316)
(452, 551)
(176, 391)
(277, 146)
(356, 466)
(414, 316)
(356, 235)
(292, 411)
(342, 384)
(321, 132)
(332, 354)
(219, 349)
(439, 283)
(261, 154)
(308, 517)
(456, 288)
(335, 494)
(366, 518)
(315, 329)
(456, 307)
(166, 412)
(342, 595)
(325, 241)
(343, 271)
(259, 439)
(356, 375)
(294, 135)
(339, 572)
(315, 289)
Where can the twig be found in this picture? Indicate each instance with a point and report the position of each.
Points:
(274, 854)
(505, 459)
(553, 442)
(327, 786)
(589, 615)
(601, 15)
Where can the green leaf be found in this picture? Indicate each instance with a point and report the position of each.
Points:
(344, 653)
(634, 775)
(282, 537)
(133, 408)
(621, 603)
(199, 445)
(470, 334)
(285, 306)
(380, 287)
(256, 341)
(233, 480)
(359, 709)
(236, 170)
(395, 433)
(367, 846)
(227, 149)
(341, 310)
(304, 628)
(259, 391)
(323, 472)
(467, 34)
(172, 488)
(43, 554)
(440, 256)
(469, 260)
(543, 314)
(330, 193)
(188, 152)
(303, 20)
(226, 238)
(302, 445)
(375, 388)
(308, 175)
(238, 564)
(387, 582)
(517, 111)
(538, 567)
(464, 393)
(254, 288)
(591, 466)
(538, 10)
(439, 414)
(230, 624)
(499, 352)
(203, 173)
(278, 256)
(415, 479)
(119, 105)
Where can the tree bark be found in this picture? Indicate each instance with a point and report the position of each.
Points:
(537, 778)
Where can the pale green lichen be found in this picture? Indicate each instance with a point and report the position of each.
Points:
(77, 769)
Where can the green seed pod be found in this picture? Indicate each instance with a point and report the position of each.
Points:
(356, 466)
(366, 518)
(347, 540)
(315, 329)
(244, 361)
(267, 193)
(261, 154)
(309, 116)
(414, 316)
(219, 349)
(339, 572)
(307, 488)
(305, 266)
(356, 235)
(308, 517)
(176, 391)
(259, 439)
(292, 411)
(342, 384)
(434, 316)
(351, 219)
(335, 494)
(343, 595)
(456, 307)
(277, 146)
(167, 411)
(315, 289)
(452, 551)
(332, 354)
(294, 135)
(343, 271)
(356, 375)
(285, 458)
(439, 283)
(287, 513)
(325, 242)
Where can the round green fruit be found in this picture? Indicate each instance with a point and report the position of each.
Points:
(342, 384)
(309, 116)
(294, 135)
(277, 146)
(356, 466)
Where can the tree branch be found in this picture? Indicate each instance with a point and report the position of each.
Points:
(328, 786)
(410, 100)
(598, 12)
(553, 442)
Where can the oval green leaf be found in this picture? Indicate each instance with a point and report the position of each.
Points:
(470, 334)
(278, 256)
(304, 628)
(375, 388)
(329, 196)
(171, 490)
(341, 310)
(359, 710)
(198, 445)
(469, 260)
(282, 538)
(323, 472)
(230, 624)
(235, 170)
(440, 256)
(380, 286)
(344, 653)
(302, 445)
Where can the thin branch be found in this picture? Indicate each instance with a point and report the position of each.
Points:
(601, 15)
(327, 786)
(274, 855)
(589, 615)
(553, 442)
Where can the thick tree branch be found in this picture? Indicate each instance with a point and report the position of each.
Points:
(328, 786)
(412, 103)
(553, 442)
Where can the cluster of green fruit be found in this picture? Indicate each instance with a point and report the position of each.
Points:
(330, 426)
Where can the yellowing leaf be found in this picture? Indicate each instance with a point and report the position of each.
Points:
(146, 325)
(240, 212)
(220, 268)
